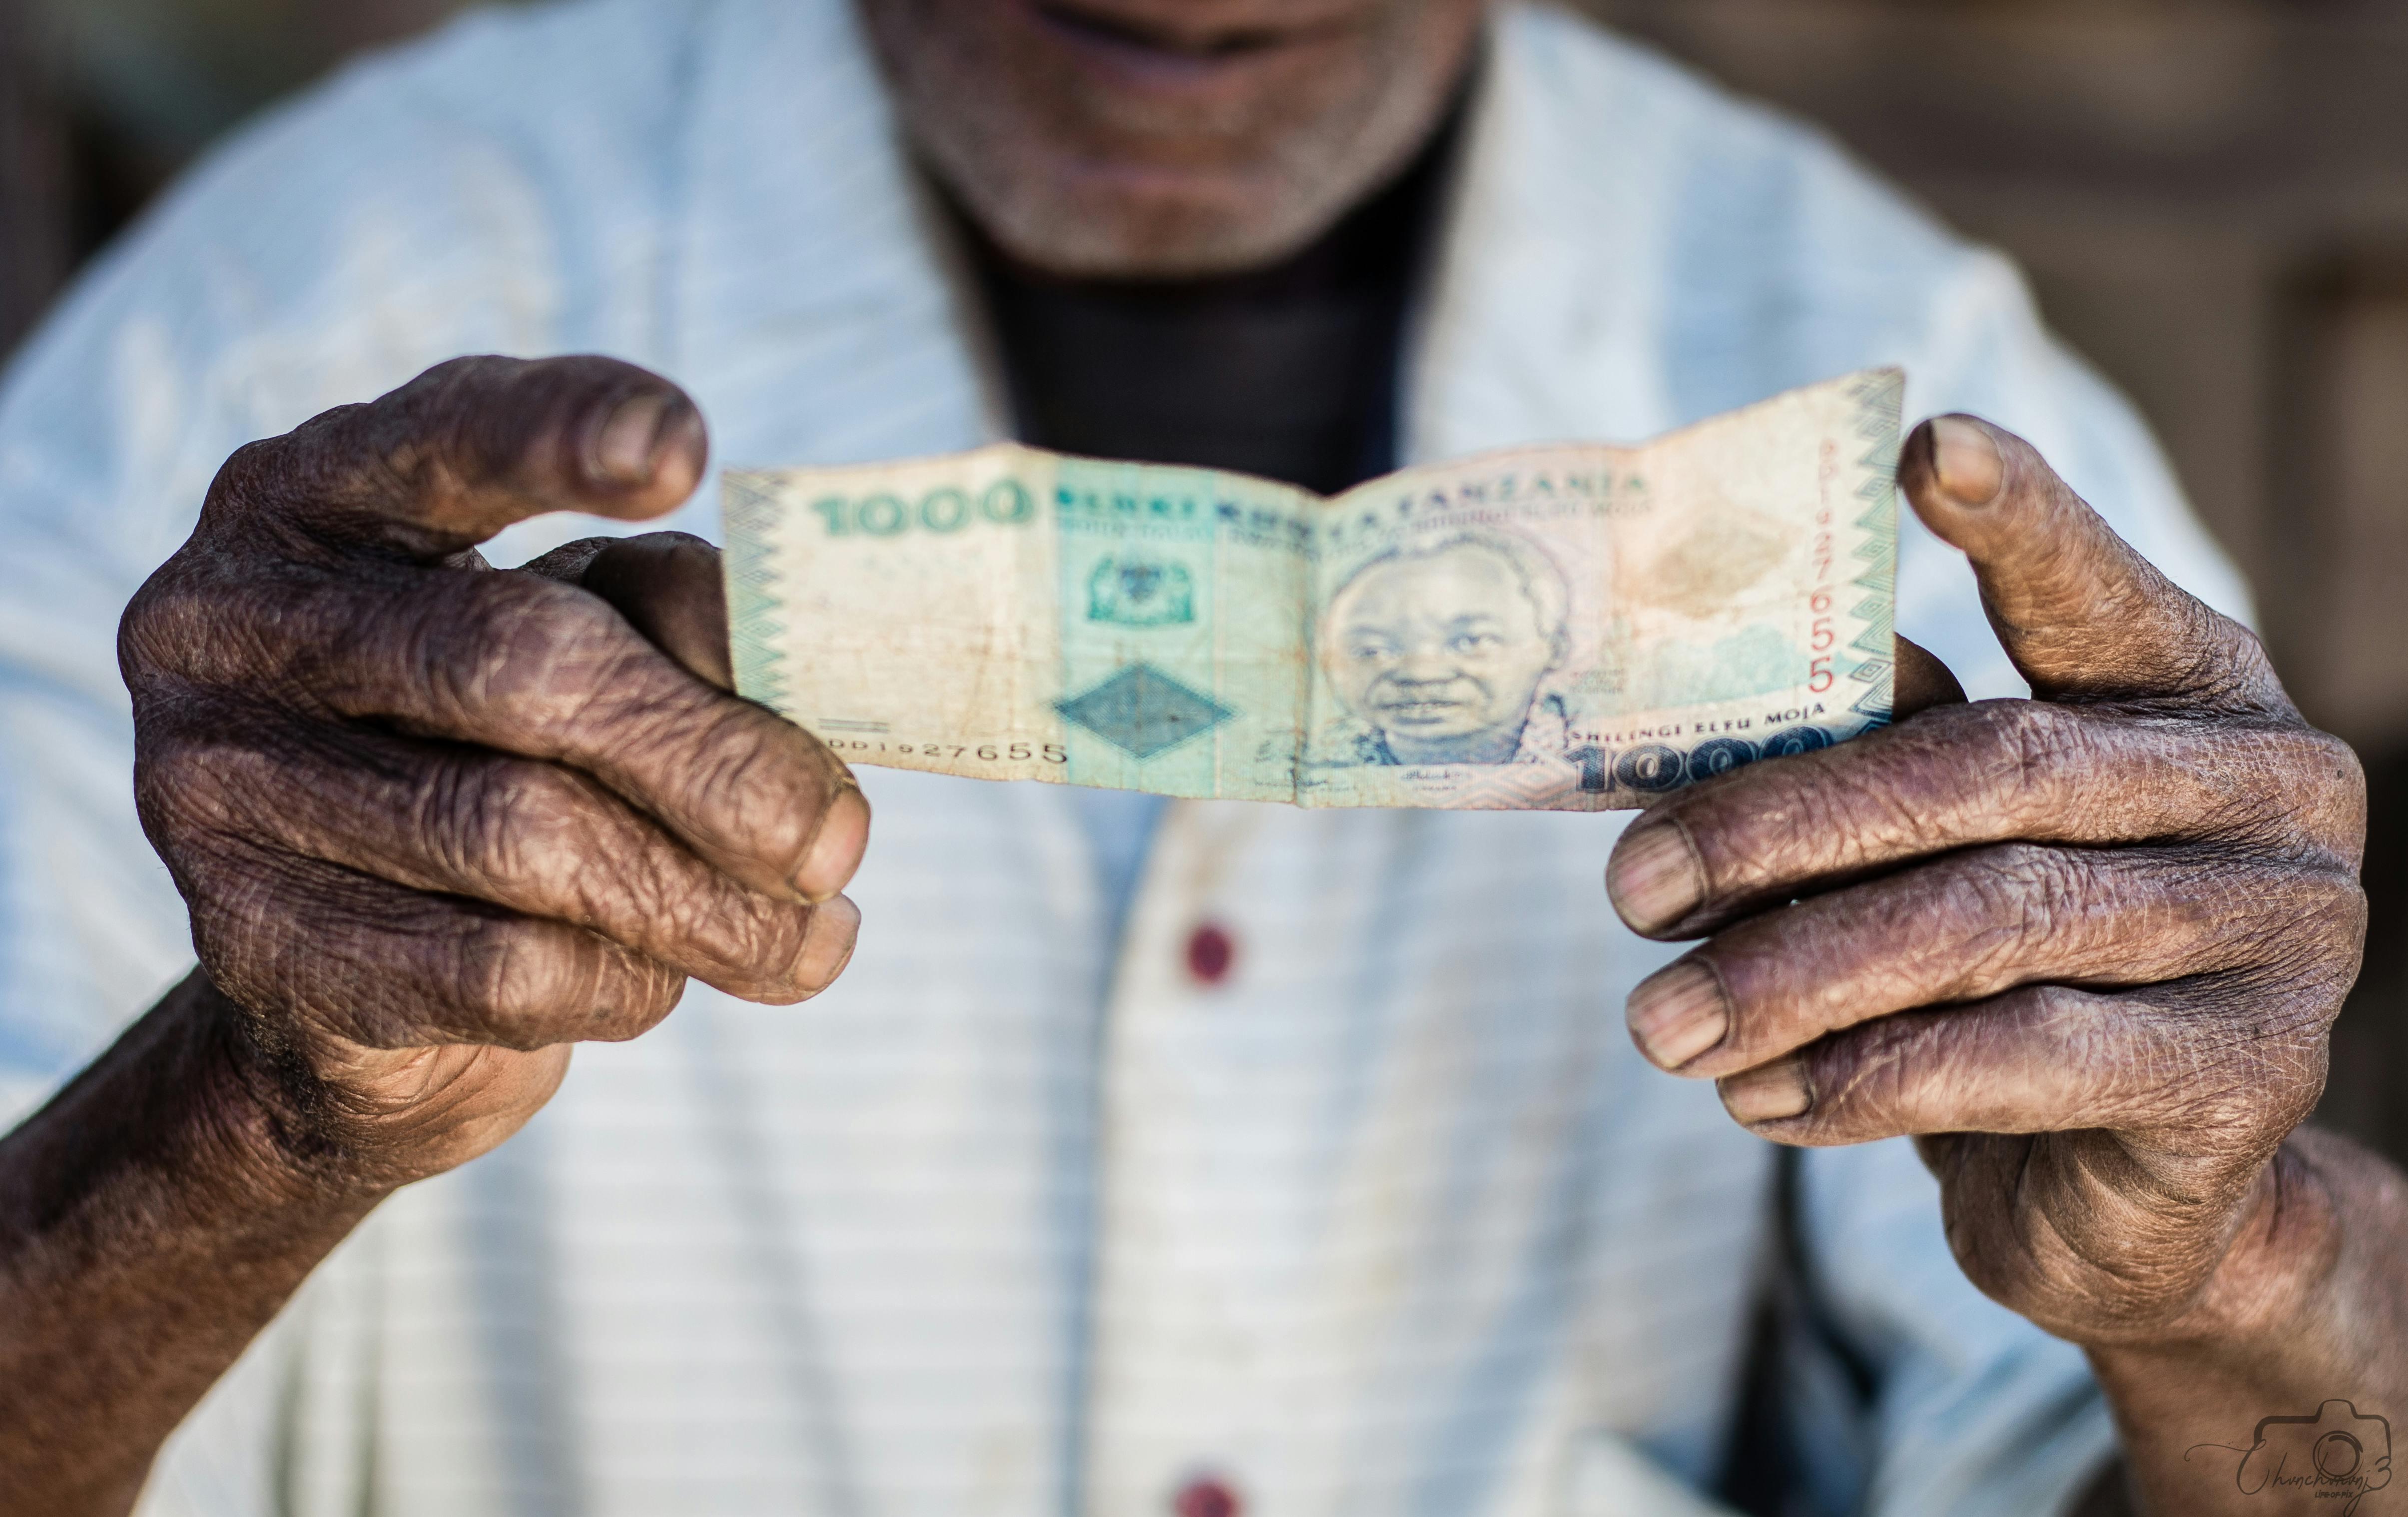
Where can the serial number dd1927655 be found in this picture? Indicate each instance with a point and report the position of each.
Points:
(985, 753)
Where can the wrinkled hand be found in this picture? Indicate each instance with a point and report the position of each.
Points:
(436, 822)
(2086, 947)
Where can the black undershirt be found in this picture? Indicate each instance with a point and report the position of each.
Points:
(1289, 372)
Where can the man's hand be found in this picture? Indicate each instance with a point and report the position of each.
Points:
(2086, 947)
(437, 823)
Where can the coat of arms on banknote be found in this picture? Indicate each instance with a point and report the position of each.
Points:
(1571, 626)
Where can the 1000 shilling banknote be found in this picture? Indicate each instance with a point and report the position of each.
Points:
(1571, 626)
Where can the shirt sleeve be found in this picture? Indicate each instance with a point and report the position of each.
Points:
(1972, 1412)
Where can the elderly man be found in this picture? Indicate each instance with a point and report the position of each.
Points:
(1207, 1160)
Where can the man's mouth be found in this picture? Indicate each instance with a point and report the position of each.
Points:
(1099, 28)
(1168, 45)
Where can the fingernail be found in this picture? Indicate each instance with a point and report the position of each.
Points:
(836, 852)
(625, 441)
(1678, 1013)
(1966, 461)
(828, 943)
(1654, 879)
(1770, 1094)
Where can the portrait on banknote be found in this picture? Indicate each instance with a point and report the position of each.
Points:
(1437, 651)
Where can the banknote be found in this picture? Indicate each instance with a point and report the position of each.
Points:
(1571, 626)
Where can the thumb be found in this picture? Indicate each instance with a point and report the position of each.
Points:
(1923, 680)
(2083, 615)
(667, 585)
(468, 448)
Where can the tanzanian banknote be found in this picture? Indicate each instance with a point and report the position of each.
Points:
(1570, 626)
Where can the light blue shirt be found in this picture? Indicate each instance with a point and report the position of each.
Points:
(1389, 1220)
(1120, 827)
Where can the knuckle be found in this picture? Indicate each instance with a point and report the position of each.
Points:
(1753, 835)
(2322, 789)
(234, 932)
(2316, 915)
(187, 624)
(458, 814)
(516, 981)
(515, 650)
(527, 985)
(299, 955)
(476, 421)
(1867, 1080)
(157, 626)
(2233, 1075)
(198, 788)
(180, 776)
(258, 474)
(619, 871)
(2224, 665)
(342, 462)
(481, 822)
(2032, 745)
(2293, 927)
(765, 786)
(757, 944)
(2017, 901)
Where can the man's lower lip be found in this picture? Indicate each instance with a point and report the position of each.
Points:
(1129, 53)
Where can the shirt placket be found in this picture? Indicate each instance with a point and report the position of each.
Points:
(1179, 1328)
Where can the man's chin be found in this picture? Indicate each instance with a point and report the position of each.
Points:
(1169, 224)
(1098, 140)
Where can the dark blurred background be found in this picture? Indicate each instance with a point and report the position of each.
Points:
(2211, 196)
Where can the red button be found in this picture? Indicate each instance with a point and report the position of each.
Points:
(1210, 954)
(1207, 1498)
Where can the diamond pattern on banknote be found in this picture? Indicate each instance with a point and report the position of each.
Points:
(1144, 712)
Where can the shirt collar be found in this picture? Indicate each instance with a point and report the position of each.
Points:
(1541, 324)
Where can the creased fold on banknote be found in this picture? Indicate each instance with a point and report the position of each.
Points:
(1571, 626)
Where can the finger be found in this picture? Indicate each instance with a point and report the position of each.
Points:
(521, 665)
(389, 967)
(2042, 1059)
(535, 838)
(667, 585)
(1962, 776)
(1973, 926)
(1922, 682)
(2083, 615)
(2082, 1141)
(466, 450)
